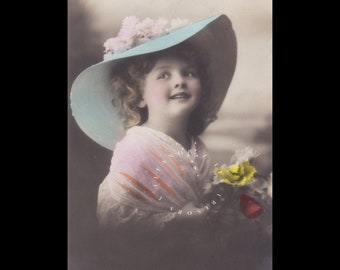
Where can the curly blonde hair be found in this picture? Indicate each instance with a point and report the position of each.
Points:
(129, 79)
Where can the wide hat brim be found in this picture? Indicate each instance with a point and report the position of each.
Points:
(91, 94)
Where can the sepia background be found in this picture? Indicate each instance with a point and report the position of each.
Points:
(245, 118)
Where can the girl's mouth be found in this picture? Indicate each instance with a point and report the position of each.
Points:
(180, 95)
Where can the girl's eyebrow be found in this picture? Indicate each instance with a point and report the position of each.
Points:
(167, 67)
(162, 67)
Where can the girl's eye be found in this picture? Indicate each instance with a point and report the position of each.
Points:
(163, 75)
(190, 73)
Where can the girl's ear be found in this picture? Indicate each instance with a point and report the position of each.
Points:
(141, 104)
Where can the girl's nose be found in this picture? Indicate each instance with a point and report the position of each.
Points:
(179, 81)
(180, 85)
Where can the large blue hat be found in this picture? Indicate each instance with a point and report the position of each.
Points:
(91, 93)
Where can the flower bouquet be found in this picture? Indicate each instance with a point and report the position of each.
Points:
(240, 194)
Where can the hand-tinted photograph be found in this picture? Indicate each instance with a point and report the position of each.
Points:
(170, 135)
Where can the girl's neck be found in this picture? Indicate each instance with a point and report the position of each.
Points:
(176, 129)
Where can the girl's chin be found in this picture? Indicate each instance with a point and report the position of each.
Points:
(183, 104)
(183, 113)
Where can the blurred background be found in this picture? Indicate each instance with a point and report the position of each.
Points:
(245, 118)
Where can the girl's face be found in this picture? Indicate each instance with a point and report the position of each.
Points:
(171, 88)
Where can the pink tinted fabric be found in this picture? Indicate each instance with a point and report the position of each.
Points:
(152, 177)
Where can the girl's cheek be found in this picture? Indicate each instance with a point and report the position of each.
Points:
(198, 88)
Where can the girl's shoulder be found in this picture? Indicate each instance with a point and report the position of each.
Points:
(133, 140)
(137, 140)
(137, 132)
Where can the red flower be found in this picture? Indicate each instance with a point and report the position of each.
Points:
(250, 207)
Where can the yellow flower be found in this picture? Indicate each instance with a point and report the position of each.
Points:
(237, 175)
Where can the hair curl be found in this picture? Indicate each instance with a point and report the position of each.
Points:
(129, 80)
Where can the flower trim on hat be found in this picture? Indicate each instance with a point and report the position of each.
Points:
(135, 31)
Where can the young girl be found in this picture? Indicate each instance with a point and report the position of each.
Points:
(156, 91)
(161, 166)
(164, 85)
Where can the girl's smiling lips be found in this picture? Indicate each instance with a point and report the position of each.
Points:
(180, 95)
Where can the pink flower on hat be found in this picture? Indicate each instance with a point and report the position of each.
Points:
(135, 31)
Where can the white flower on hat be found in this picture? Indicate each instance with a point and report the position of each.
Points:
(135, 31)
(177, 23)
(129, 27)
